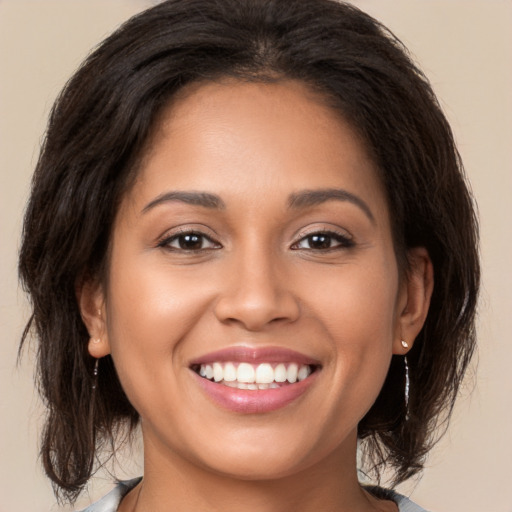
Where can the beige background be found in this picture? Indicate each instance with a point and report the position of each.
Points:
(466, 49)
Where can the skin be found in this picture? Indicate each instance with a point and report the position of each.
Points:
(257, 281)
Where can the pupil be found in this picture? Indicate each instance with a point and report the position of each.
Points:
(190, 242)
(320, 241)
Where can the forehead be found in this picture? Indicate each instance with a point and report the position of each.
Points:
(239, 138)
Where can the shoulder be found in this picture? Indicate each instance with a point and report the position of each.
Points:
(110, 501)
(404, 503)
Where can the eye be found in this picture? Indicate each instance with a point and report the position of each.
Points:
(323, 241)
(189, 241)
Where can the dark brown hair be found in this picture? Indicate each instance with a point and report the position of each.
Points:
(98, 130)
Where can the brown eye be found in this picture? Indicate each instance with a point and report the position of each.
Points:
(323, 241)
(319, 241)
(190, 241)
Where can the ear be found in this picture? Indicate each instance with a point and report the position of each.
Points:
(91, 301)
(415, 298)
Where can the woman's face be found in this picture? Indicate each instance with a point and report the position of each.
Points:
(255, 245)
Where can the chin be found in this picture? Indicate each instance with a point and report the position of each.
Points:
(271, 458)
(262, 469)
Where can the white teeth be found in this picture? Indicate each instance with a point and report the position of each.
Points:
(248, 376)
(291, 373)
(303, 373)
(243, 385)
(264, 374)
(218, 372)
(280, 373)
(245, 373)
(229, 372)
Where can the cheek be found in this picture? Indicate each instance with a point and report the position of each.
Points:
(356, 302)
(150, 309)
(356, 308)
(154, 299)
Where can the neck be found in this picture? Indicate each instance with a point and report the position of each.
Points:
(174, 483)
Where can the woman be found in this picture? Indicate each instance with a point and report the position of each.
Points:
(235, 226)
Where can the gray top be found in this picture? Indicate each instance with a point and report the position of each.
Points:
(110, 502)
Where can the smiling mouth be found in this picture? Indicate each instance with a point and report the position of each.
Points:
(243, 375)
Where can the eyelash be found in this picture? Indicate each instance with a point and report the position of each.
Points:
(342, 240)
(167, 241)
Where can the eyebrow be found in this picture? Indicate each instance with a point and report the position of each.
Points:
(189, 197)
(307, 198)
(297, 200)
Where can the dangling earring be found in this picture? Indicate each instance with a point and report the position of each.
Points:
(95, 374)
(92, 403)
(407, 387)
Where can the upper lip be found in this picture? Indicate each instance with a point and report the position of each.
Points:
(255, 355)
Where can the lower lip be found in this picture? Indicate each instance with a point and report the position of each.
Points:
(254, 401)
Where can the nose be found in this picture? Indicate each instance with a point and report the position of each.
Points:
(256, 293)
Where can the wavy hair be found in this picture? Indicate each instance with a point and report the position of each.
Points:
(98, 130)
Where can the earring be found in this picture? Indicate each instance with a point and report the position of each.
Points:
(95, 374)
(404, 344)
(407, 388)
